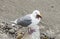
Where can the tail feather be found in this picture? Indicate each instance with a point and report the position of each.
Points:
(13, 23)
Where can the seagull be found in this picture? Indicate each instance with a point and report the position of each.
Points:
(29, 19)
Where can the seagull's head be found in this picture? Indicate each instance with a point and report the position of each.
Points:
(37, 14)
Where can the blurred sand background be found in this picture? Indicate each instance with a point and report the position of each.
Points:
(50, 10)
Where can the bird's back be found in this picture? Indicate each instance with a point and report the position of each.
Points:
(24, 21)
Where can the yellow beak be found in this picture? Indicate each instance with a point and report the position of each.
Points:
(40, 16)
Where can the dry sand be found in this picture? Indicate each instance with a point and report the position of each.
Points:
(50, 10)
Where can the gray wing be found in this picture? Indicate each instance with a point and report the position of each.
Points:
(24, 21)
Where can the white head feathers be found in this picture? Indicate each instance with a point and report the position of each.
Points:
(36, 13)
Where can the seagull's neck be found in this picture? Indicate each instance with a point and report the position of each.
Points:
(33, 15)
(35, 21)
